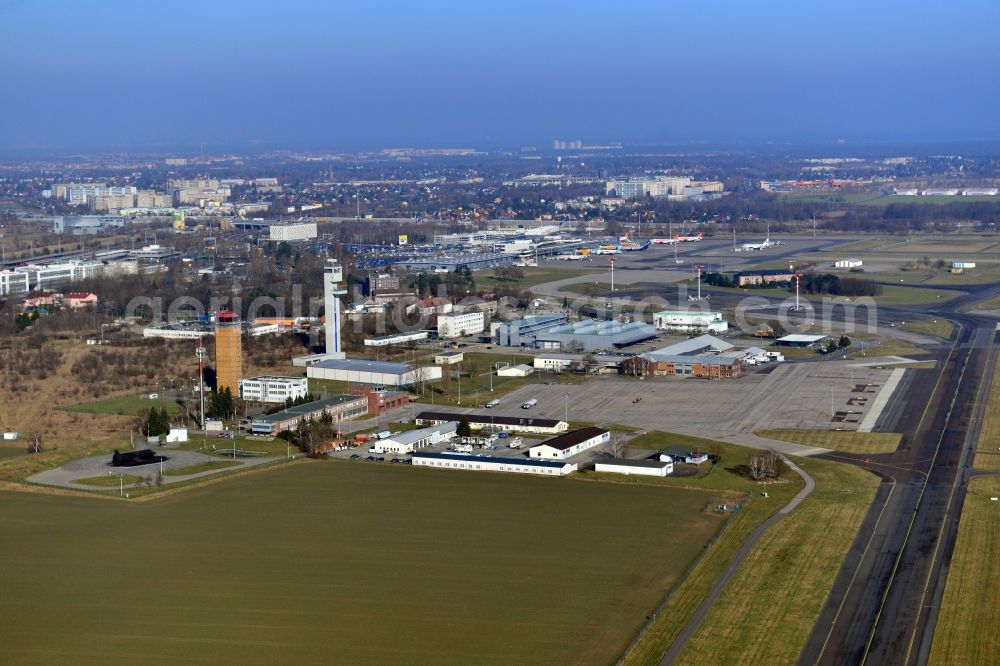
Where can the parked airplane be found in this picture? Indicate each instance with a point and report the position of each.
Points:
(632, 247)
(752, 247)
(664, 241)
(689, 239)
(571, 257)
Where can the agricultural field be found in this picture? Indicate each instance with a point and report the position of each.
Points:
(970, 609)
(839, 440)
(335, 562)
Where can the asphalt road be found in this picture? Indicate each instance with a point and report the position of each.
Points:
(881, 609)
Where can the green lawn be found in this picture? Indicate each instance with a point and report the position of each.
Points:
(329, 562)
(970, 610)
(109, 480)
(839, 440)
(939, 328)
(767, 612)
(128, 405)
(901, 295)
(208, 466)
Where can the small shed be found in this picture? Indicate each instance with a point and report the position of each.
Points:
(522, 370)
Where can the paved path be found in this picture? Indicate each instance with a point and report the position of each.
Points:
(93, 466)
(699, 615)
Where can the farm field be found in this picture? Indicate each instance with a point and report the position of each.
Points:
(345, 563)
(970, 609)
(839, 440)
(767, 612)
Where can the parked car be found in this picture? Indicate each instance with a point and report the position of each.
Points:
(355, 457)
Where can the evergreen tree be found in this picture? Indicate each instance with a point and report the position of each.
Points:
(463, 429)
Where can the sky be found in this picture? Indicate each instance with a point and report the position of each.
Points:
(166, 75)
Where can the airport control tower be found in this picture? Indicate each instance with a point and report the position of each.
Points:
(333, 289)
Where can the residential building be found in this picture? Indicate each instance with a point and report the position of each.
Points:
(273, 389)
(337, 407)
(414, 440)
(460, 325)
(570, 444)
(491, 464)
(76, 300)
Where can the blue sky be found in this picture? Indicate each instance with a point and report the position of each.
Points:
(130, 75)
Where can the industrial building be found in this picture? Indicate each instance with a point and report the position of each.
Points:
(630, 467)
(337, 407)
(269, 388)
(372, 372)
(293, 231)
(705, 356)
(79, 225)
(461, 324)
(381, 400)
(522, 332)
(414, 440)
(521, 370)
(449, 357)
(592, 335)
(755, 278)
(491, 423)
(848, 263)
(569, 444)
(556, 362)
(491, 464)
(228, 352)
(690, 321)
(450, 264)
(800, 340)
(396, 339)
(13, 283)
(153, 252)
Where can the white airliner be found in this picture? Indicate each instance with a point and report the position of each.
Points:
(753, 247)
(570, 257)
(689, 239)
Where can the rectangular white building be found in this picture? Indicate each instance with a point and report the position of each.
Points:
(491, 464)
(635, 467)
(689, 320)
(293, 231)
(449, 357)
(372, 372)
(13, 282)
(556, 362)
(269, 388)
(570, 443)
(848, 263)
(457, 325)
(412, 440)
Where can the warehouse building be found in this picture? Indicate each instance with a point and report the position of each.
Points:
(414, 440)
(338, 407)
(372, 372)
(461, 324)
(396, 339)
(521, 370)
(705, 356)
(491, 423)
(269, 388)
(592, 335)
(570, 443)
(491, 464)
(522, 332)
(635, 467)
(689, 321)
(800, 340)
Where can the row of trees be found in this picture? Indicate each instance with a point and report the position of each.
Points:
(155, 422)
(835, 285)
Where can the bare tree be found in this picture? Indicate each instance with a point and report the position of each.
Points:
(34, 442)
(616, 446)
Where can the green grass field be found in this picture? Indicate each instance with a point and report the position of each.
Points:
(767, 612)
(939, 328)
(534, 276)
(208, 466)
(839, 440)
(901, 295)
(109, 480)
(988, 447)
(970, 610)
(129, 405)
(345, 563)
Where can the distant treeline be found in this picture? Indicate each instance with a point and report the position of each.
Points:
(835, 285)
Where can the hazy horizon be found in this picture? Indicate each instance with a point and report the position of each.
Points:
(124, 76)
